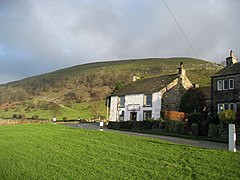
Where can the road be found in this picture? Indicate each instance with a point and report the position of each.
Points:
(178, 140)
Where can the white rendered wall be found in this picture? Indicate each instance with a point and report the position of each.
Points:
(113, 108)
(138, 100)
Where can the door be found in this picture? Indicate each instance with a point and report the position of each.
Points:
(133, 116)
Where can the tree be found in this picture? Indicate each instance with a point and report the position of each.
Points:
(192, 100)
(96, 110)
(118, 86)
(55, 108)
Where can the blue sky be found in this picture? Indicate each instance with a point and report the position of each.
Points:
(39, 36)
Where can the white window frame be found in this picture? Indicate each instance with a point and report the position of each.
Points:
(230, 83)
(144, 114)
(220, 85)
(220, 107)
(146, 104)
(225, 106)
(121, 101)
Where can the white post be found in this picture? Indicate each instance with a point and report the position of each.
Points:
(107, 110)
(101, 126)
(232, 137)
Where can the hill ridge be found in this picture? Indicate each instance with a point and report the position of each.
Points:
(94, 81)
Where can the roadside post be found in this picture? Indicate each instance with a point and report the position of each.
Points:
(232, 137)
(54, 119)
(101, 125)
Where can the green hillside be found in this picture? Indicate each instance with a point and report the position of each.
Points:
(93, 82)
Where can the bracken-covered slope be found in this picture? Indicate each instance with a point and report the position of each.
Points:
(95, 81)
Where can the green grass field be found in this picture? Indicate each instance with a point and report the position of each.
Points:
(83, 110)
(47, 151)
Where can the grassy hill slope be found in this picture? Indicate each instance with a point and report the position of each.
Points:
(93, 82)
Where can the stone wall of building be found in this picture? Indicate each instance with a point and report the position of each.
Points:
(224, 96)
(172, 97)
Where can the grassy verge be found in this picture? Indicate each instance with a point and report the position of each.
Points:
(47, 151)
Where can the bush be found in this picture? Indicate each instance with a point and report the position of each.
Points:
(215, 120)
(35, 117)
(21, 116)
(215, 130)
(227, 116)
(18, 116)
(155, 126)
(65, 118)
(15, 116)
(194, 129)
(194, 118)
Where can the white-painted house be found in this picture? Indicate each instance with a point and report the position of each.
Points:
(146, 98)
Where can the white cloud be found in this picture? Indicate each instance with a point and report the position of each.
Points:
(41, 36)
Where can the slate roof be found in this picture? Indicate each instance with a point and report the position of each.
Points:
(147, 86)
(229, 70)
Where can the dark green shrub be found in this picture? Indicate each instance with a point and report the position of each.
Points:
(35, 117)
(65, 118)
(215, 130)
(214, 120)
(182, 127)
(15, 116)
(156, 124)
(194, 118)
(192, 100)
(21, 116)
(113, 125)
(194, 129)
(169, 127)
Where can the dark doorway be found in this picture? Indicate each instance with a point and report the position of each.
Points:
(133, 116)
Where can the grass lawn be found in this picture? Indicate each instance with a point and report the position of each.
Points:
(47, 151)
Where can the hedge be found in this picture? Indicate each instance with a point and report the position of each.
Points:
(166, 126)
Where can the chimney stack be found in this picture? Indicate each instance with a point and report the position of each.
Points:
(181, 70)
(231, 59)
(136, 77)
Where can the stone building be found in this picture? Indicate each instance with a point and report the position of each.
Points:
(225, 87)
(146, 98)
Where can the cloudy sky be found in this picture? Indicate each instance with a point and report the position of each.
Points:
(38, 36)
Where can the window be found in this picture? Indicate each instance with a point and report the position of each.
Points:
(225, 84)
(148, 100)
(231, 106)
(121, 101)
(147, 115)
(238, 107)
(220, 108)
(121, 116)
(226, 106)
(133, 116)
(219, 85)
(231, 83)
